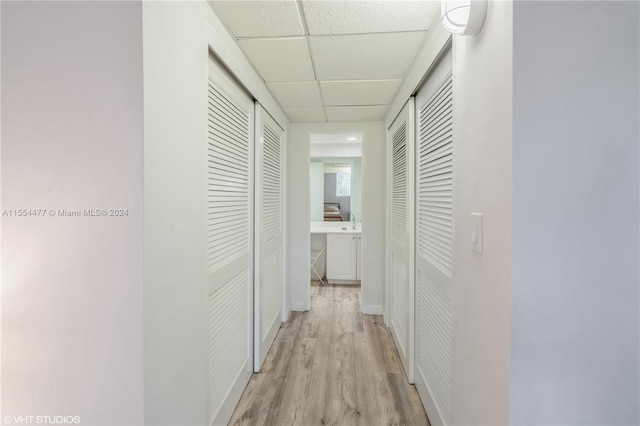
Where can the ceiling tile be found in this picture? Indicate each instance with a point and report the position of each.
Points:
(259, 18)
(280, 59)
(359, 92)
(365, 57)
(352, 17)
(296, 94)
(365, 113)
(314, 114)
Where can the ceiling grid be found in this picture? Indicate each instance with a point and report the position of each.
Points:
(315, 73)
(329, 60)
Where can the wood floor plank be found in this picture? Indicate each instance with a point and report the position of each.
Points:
(402, 400)
(251, 409)
(318, 397)
(331, 365)
(388, 410)
(366, 404)
(390, 359)
(296, 391)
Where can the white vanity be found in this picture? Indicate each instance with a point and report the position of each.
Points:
(342, 248)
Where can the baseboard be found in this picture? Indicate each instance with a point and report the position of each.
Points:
(299, 307)
(343, 282)
(372, 309)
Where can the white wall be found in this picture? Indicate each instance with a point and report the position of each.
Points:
(373, 166)
(336, 149)
(575, 215)
(175, 290)
(373, 217)
(177, 36)
(482, 99)
(316, 188)
(72, 138)
(356, 187)
(0, 210)
(298, 209)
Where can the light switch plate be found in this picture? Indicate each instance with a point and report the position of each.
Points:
(476, 232)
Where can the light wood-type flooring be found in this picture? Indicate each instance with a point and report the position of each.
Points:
(331, 365)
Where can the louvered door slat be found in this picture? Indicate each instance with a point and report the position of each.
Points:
(399, 186)
(437, 96)
(271, 186)
(222, 148)
(437, 163)
(434, 245)
(270, 210)
(222, 126)
(401, 235)
(436, 170)
(223, 231)
(228, 179)
(231, 158)
(220, 165)
(221, 105)
(224, 130)
(230, 125)
(435, 220)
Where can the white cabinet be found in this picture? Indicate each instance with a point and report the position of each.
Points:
(342, 256)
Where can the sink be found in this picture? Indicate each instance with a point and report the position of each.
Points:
(351, 230)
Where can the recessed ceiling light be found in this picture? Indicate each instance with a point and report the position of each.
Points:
(352, 139)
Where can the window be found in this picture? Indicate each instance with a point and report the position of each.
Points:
(343, 184)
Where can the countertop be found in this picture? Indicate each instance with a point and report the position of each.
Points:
(335, 231)
(334, 228)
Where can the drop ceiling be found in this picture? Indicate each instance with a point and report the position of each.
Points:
(338, 60)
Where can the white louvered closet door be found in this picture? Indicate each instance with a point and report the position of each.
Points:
(230, 243)
(269, 210)
(401, 238)
(434, 245)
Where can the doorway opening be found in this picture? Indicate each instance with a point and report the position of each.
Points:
(335, 169)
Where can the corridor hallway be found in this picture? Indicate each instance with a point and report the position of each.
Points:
(331, 365)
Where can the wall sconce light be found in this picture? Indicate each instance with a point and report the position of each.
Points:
(463, 17)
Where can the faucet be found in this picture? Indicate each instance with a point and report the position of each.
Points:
(353, 217)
